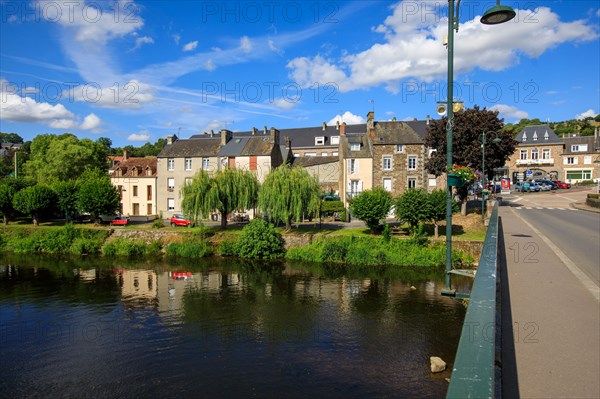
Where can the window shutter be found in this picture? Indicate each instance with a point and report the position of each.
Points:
(360, 186)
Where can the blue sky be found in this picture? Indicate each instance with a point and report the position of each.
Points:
(139, 71)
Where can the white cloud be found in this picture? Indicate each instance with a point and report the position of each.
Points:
(284, 103)
(93, 24)
(590, 113)
(274, 48)
(245, 44)
(131, 95)
(347, 117)
(142, 135)
(15, 108)
(90, 122)
(140, 41)
(190, 46)
(176, 38)
(509, 112)
(413, 48)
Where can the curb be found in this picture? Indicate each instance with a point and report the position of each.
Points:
(582, 206)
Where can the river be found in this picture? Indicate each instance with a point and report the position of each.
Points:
(92, 327)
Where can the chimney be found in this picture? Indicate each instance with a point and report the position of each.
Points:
(370, 121)
(274, 136)
(324, 126)
(125, 155)
(225, 136)
(288, 143)
(254, 130)
(427, 119)
(212, 133)
(337, 125)
(343, 129)
(394, 119)
(265, 129)
(169, 140)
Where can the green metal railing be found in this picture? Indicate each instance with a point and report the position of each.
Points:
(473, 372)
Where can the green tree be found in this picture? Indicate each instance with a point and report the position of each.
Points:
(34, 201)
(437, 208)
(289, 193)
(6, 197)
(97, 195)
(66, 197)
(226, 191)
(371, 206)
(260, 240)
(63, 157)
(413, 207)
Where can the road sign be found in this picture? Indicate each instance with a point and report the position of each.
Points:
(528, 172)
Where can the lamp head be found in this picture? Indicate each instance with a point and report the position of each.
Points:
(497, 140)
(498, 14)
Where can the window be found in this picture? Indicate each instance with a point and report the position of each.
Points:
(319, 140)
(352, 166)
(431, 151)
(579, 175)
(170, 184)
(296, 154)
(324, 154)
(148, 172)
(399, 148)
(534, 136)
(335, 154)
(432, 182)
(188, 181)
(355, 186)
(355, 147)
(171, 164)
(524, 137)
(546, 136)
(387, 162)
(535, 154)
(188, 164)
(387, 185)
(170, 204)
(587, 160)
(149, 212)
(579, 148)
(412, 182)
(575, 148)
(335, 140)
(310, 154)
(412, 162)
(546, 153)
(135, 191)
(571, 160)
(523, 154)
(134, 172)
(205, 163)
(136, 209)
(120, 189)
(149, 193)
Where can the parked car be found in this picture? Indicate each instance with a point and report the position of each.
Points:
(180, 220)
(549, 183)
(475, 189)
(493, 188)
(119, 221)
(523, 187)
(561, 184)
(534, 186)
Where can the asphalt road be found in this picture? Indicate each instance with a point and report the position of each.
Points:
(575, 232)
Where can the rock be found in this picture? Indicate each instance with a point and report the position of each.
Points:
(437, 364)
(412, 288)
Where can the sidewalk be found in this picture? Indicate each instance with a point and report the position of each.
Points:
(550, 321)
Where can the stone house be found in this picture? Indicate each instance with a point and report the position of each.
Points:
(580, 159)
(355, 164)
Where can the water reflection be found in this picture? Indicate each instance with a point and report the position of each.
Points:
(221, 329)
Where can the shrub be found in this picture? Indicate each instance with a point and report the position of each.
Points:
(83, 246)
(188, 249)
(387, 233)
(334, 250)
(228, 248)
(371, 206)
(120, 247)
(260, 240)
(158, 224)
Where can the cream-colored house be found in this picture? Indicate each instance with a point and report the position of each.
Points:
(356, 164)
(135, 178)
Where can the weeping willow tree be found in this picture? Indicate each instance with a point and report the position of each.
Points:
(226, 191)
(288, 193)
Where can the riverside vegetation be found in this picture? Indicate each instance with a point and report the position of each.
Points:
(258, 240)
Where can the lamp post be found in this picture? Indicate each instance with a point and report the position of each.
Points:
(496, 140)
(495, 15)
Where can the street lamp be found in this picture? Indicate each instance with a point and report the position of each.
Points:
(496, 140)
(496, 15)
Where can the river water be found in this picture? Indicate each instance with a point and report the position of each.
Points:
(91, 327)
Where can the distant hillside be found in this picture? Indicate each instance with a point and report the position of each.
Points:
(583, 127)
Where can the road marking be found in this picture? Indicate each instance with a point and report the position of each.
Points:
(587, 282)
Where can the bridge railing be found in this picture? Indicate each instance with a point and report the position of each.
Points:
(473, 375)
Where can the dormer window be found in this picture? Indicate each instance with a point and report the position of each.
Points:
(355, 147)
(524, 137)
(319, 140)
(546, 136)
(134, 172)
(399, 148)
(534, 136)
(148, 172)
(335, 140)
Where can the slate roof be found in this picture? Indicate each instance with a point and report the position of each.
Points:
(305, 162)
(193, 147)
(420, 127)
(544, 134)
(140, 164)
(395, 133)
(366, 151)
(592, 144)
